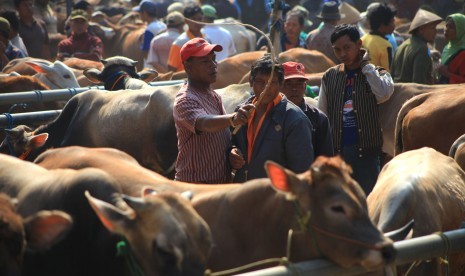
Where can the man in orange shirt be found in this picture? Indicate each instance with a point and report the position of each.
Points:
(193, 12)
(278, 130)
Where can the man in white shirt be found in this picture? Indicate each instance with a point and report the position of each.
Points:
(161, 44)
(217, 35)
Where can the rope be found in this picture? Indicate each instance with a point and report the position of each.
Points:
(123, 249)
(270, 44)
(72, 91)
(445, 260)
(40, 96)
(278, 261)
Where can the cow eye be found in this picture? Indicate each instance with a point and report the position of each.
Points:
(338, 209)
(66, 76)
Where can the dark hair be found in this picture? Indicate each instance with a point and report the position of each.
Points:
(191, 10)
(18, 2)
(81, 5)
(264, 65)
(345, 29)
(300, 16)
(380, 14)
(12, 18)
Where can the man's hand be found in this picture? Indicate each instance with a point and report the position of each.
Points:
(243, 114)
(236, 159)
(364, 57)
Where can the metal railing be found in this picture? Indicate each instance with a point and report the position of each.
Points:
(408, 251)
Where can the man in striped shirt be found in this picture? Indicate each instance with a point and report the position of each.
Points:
(202, 124)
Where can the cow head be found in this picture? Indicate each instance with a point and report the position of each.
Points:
(21, 140)
(36, 232)
(115, 72)
(335, 211)
(165, 234)
(57, 75)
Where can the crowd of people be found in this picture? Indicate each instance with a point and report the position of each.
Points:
(276, 123)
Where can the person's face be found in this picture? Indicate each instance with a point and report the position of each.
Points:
(292, 27)
(347, 51)
(258, 84)
(428, 32)
(202, 69)
(389, 28)
(25, 9)
(451, 32)
(194, 27)
(78, 25)
(294, 89)
(90, 11)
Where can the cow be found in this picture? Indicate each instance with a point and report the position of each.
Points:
(151, 110)
(428, 187)
(56, 75)
(329, 204)
(433, 119)
(37, 232)
(157, 234)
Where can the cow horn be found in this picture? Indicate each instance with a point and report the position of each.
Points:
(133, 62)
(103, 61)
(401, 233)
(135, 203)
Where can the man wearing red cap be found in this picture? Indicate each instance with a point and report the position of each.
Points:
(294, 87)
(277, 130)
(202, 124)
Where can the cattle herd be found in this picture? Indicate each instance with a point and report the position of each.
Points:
(90, 193)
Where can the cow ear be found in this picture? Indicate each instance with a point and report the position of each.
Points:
(39, 67)
(278, 176)
(148, 75)
(38, 141)
(112, 217)
(93, 74)
(46, 228)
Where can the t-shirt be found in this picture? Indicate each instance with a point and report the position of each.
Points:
(153, 29)
(379, 49)
(349, 122)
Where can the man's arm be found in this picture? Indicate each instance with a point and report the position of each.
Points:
(214, 123)
(380, 81)
(322, 100)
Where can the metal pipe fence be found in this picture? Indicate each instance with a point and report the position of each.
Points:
(408, 251)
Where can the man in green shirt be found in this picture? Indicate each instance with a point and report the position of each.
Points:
(412, 61)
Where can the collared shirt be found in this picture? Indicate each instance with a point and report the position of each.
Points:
(412, 62)
(35, 37)
(202, 156)
(160, 47)
(83, 46)
(251, 132)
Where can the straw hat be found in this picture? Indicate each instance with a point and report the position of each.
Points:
(330, 11)
(423, 17)
(352, 15)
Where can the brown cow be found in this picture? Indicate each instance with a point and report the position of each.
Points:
(241, 215)
(233, 69)
(37, 232)
(428, 187)
(431, 120)
(163, 234)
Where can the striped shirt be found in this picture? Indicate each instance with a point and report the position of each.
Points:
(202, 156)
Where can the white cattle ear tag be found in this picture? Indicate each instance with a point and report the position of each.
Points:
(278, 128)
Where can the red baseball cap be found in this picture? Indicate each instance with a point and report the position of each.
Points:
(293, 70)
(198, 47)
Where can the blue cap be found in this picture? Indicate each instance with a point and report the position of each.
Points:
(147, 6)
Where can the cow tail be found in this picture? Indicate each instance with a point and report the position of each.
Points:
(58, 128)
(404, 110)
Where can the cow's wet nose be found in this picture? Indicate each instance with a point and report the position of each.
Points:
(388, 253)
